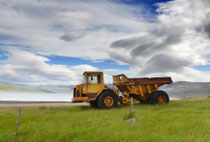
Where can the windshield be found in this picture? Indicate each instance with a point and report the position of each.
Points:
(83, 79)
(93, 79)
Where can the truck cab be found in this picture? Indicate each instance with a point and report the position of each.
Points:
(93, 90)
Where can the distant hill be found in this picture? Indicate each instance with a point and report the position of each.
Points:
(36, 88)
(50, 88)
(177, 90)
(5, 87)
(182, 90)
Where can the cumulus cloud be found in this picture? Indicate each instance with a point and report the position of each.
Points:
(100, 30)
(172, 46)
(25, 67)
(66, 28)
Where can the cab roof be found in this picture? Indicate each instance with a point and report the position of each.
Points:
(96, 72)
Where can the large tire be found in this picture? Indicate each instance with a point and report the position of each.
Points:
(107, 100)
(93, 103)
(159, 97)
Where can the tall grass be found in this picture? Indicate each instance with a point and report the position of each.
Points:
(178, 121)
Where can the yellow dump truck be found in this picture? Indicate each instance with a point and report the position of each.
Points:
(144, 90)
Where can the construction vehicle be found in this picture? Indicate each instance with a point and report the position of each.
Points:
(144, 90)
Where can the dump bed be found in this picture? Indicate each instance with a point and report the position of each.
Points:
(123, 80)
(139, 86)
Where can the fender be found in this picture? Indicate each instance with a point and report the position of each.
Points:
(115, 91)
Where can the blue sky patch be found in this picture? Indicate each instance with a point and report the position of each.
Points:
(148, 4)
(72, 61)
(3, 55)
(202, 68)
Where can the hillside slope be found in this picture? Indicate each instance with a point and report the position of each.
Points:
(183, 90)
(5, 87)
(49, 88)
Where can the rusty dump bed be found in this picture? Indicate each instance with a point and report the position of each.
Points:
(139, 86)
(123, 80)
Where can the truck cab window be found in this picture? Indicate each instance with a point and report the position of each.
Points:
(83, 79)
(93, 79)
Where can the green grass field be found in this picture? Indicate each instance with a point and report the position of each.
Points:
(178, 121)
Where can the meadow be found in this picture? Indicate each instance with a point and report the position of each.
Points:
(178, 121)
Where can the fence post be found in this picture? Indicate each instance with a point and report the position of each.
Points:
(17, 122)
(132, 104)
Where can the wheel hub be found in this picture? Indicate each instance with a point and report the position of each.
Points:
(162, 99)
(108, 101)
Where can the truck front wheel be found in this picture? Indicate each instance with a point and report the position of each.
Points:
(107, 100)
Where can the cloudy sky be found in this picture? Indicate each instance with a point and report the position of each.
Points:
(55, 41)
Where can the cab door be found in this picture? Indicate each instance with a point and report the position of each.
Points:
(94, 84)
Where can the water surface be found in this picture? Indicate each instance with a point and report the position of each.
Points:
(34, 96)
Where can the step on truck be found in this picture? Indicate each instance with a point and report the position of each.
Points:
(144, 90)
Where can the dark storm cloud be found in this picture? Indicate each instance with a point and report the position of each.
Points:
(148, 44)
(152, 47)
(152, 52)
(164, 63)
(69, 37)
(205, 26)
(207, 29)
(124, 59)
(125, 43)
(144, 49)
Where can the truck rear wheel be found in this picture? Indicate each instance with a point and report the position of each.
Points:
(107, 100)
(160, 97)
